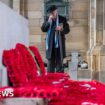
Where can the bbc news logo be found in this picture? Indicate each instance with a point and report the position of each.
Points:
(7, 93)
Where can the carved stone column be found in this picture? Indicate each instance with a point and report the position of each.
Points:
(104, 22)
(102, 52)
(99, 23)
(96, 38)
(92, 37)
(92, 23)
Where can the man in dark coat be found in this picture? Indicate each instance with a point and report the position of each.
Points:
(56, 27)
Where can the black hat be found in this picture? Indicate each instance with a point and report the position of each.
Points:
(51, 8)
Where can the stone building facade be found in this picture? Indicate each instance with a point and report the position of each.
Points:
(87, 35)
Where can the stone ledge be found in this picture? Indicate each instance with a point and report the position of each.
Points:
(23, 101)
(84, 74)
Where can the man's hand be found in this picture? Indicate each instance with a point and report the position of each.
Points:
(59, 28)
(50, 17)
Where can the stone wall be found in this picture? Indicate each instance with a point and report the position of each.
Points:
(35, 17)
(77, 39)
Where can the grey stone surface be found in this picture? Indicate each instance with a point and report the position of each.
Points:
(102, 76)
(84, 74)
(23, 101)
(95, 75)
(73, 65)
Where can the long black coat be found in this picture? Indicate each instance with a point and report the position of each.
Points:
(66, 29)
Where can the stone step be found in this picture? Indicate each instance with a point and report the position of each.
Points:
(23, 101)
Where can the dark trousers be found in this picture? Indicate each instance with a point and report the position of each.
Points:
(55, 64)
